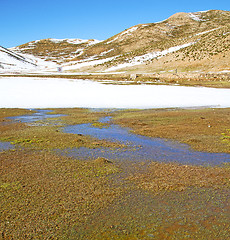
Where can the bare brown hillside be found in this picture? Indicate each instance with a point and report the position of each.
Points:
(185, 41)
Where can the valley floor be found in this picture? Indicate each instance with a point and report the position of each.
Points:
(45, 193)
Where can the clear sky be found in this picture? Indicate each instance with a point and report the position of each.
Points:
(27, 20)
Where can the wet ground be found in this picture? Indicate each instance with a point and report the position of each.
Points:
(197, 212)
(140, 148)
(38, 116)
(6, 146)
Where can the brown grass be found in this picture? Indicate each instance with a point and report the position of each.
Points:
(171, 176)
(42, 195)
(48, 196)
(201, 129)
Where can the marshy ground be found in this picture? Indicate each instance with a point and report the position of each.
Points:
(45, 194)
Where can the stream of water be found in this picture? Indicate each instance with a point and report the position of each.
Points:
(138, 148)
(39, 115)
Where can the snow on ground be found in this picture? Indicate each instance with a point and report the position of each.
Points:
(104, 53)
(196, 16)
(127, 32)
(112, 40)
(10, 64)
(69, 40)
(86, 63)
(147, 57)
(75, 41)
(52, 93)
(12, 61)
(201, 33)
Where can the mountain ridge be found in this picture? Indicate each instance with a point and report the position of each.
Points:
(187, 42)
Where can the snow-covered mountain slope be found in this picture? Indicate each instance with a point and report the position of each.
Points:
(11, 61)
(185, 41)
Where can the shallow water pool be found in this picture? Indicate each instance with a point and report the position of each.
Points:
(140, 148)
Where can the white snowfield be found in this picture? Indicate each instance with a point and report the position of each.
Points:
(10, 61)
(13, 61)
(28, 92)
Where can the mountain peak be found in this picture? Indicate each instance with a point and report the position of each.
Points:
(195, 41)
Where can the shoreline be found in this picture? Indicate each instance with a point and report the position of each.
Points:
(215, 80)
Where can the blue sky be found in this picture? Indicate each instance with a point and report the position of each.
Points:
(27, 20)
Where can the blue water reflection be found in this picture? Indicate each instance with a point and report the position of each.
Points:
(140, 148)
(6, 146)
(39, 115)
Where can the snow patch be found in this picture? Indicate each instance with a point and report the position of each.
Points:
(74, 41)
(86, 63)
(112, 40)
(207, 31)
(127, 32)
(104, 53)
(161, 21)
(147, 57)
(12, 62)
(62, 93)
(196, 16)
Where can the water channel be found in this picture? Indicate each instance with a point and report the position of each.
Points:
(137, 148)
(136, 210)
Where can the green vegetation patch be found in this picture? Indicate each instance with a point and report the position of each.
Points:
(45, 135)
(50, 137)
(226, 137)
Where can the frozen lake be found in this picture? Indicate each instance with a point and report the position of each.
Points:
(24, 92)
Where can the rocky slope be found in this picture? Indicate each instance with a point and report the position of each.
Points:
(185, 42)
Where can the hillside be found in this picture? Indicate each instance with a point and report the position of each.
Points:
(185, 41)
(13, 62)
(10, 60)
(56, 50)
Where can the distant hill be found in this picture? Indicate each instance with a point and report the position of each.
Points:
(187, 42)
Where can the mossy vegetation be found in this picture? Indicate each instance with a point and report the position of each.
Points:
(45, 135)
(201, 128)
(175, 177)
(45, 195)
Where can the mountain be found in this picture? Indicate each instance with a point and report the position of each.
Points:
(11, 60)
(56, 50)
(187, 42)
